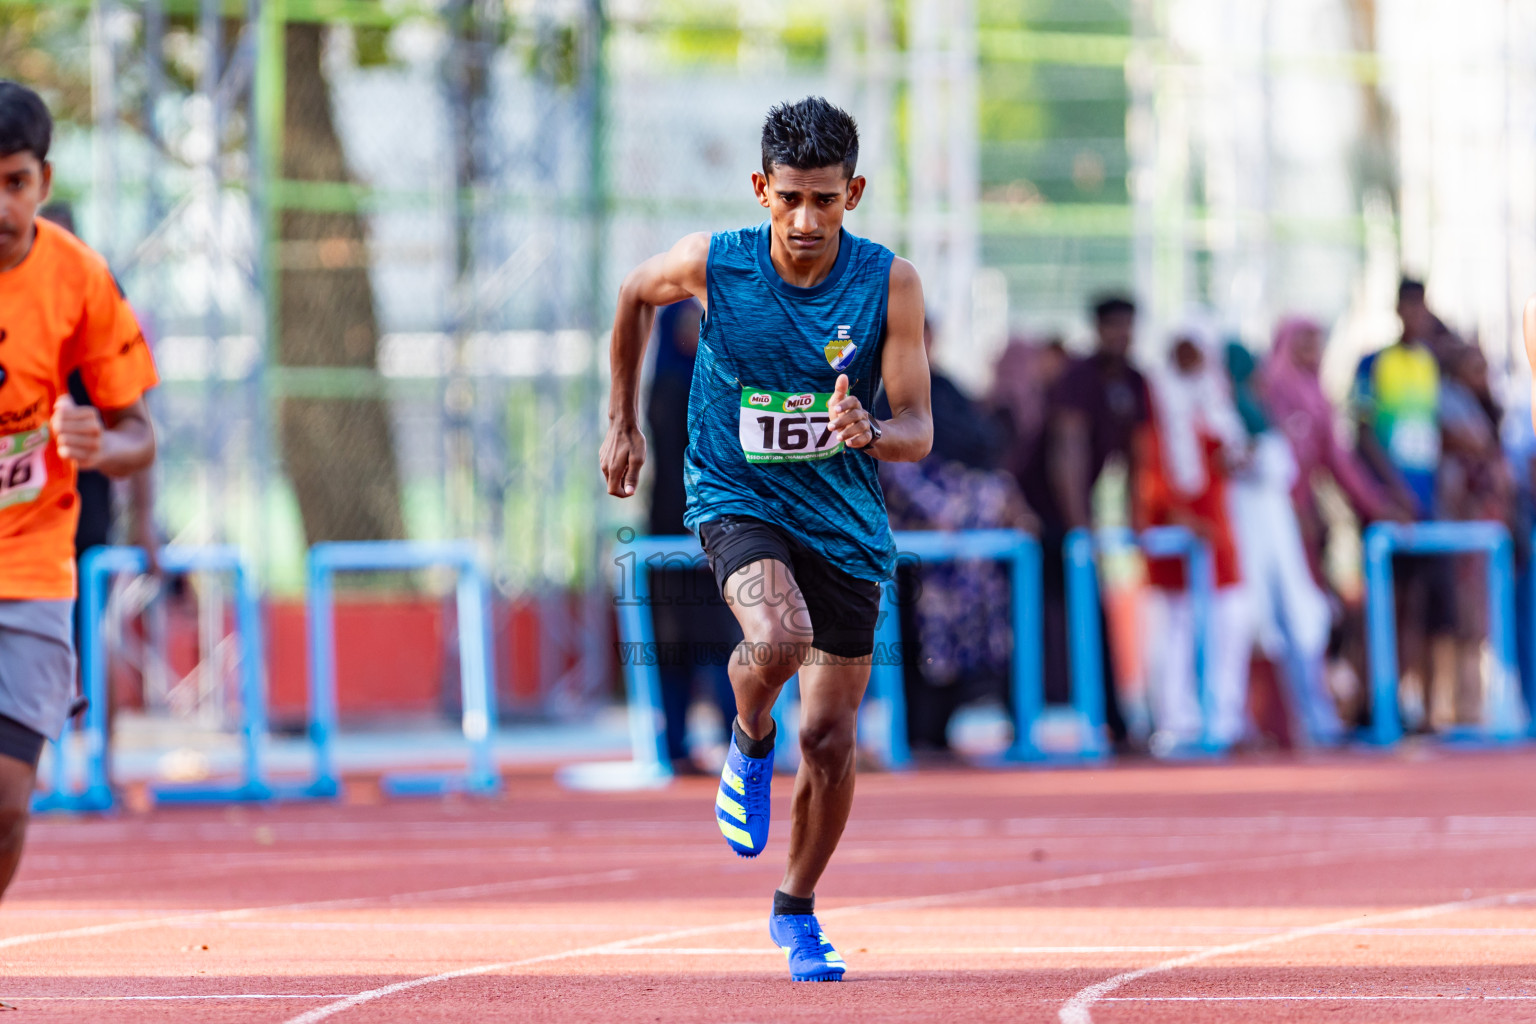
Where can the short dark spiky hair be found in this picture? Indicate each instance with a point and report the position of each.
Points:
(809, 134)
(1113, 304)
(25, 124)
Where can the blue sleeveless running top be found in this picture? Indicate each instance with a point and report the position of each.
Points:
(769, 352)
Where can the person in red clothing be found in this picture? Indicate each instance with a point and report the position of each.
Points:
(1194, 441)
(60, 312)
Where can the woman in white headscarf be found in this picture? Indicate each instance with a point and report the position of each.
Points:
(1196, 441)
(1291, 421)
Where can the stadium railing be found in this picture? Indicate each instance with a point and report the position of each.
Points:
(1021, 553)
(476, 676)
(1505, 717)
(637, 556)
(1084, 629)
(97, 568)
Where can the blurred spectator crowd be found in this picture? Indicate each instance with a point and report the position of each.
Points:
(1247, 451)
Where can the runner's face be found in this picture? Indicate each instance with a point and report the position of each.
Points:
(1188, 357)
(24, 181)
(806, 208)
(1116, 330)
(1418, 323)
(1307, 351)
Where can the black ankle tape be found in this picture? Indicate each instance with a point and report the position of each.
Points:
(784, 903)
(751, 747)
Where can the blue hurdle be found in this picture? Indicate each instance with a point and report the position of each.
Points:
(651, 765)
(1085, 647)
(479, 695)
(1503, 718)
(96, 570)
(1022, 554)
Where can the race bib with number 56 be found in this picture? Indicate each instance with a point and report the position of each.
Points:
(786, 426)
(23, 471)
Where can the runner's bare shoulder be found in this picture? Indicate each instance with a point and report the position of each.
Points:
(688, 264)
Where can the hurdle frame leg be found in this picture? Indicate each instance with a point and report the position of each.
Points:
(1507, 717)
(887, 680)
(476, 672)
(96, 570)
(1503, 710)
(1202, 597)
(1028, 664)
(253, 788)
(1085, 642)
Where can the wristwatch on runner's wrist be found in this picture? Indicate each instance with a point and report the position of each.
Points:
(875, 433)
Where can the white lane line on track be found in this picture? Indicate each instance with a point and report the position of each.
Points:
(211, 867)
(1463, 997)
(331, 1009)
(423, 926)
(871, 854)
(48, 834)
(490, 927)
(563, 881)
(1351, 998)
(988, 929)
(172, 999)
(915, 951)
(1078, 1009)
(1095, 879)
(1441, 831)
(425, 895)
(1034, 928)
(1098, 878)
(1237, 929)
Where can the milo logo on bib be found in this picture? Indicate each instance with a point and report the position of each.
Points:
(786, 426)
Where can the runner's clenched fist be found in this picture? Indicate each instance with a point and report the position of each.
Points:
(77, 430)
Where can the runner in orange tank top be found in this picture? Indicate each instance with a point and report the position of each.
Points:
(60, 311)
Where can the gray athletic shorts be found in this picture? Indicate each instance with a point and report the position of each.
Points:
(37, 663)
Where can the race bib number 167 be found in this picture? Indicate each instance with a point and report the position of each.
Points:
(786, 426)
(23, 471)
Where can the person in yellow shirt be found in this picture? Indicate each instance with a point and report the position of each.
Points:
(60, 311)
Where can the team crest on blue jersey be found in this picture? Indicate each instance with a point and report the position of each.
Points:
(841, 349)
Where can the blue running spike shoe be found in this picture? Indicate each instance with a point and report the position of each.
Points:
(811, 957)
(741, 804)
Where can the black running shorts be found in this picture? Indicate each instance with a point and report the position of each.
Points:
(20, 742)
(843, 608)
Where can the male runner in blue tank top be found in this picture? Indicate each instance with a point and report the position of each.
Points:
(802, 322)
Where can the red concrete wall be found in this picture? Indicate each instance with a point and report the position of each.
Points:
(392, 656)
(389, 657)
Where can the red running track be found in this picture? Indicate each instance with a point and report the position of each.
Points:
(1358, 888)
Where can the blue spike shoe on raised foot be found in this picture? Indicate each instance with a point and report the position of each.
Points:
(741, 803)
(811, 957)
